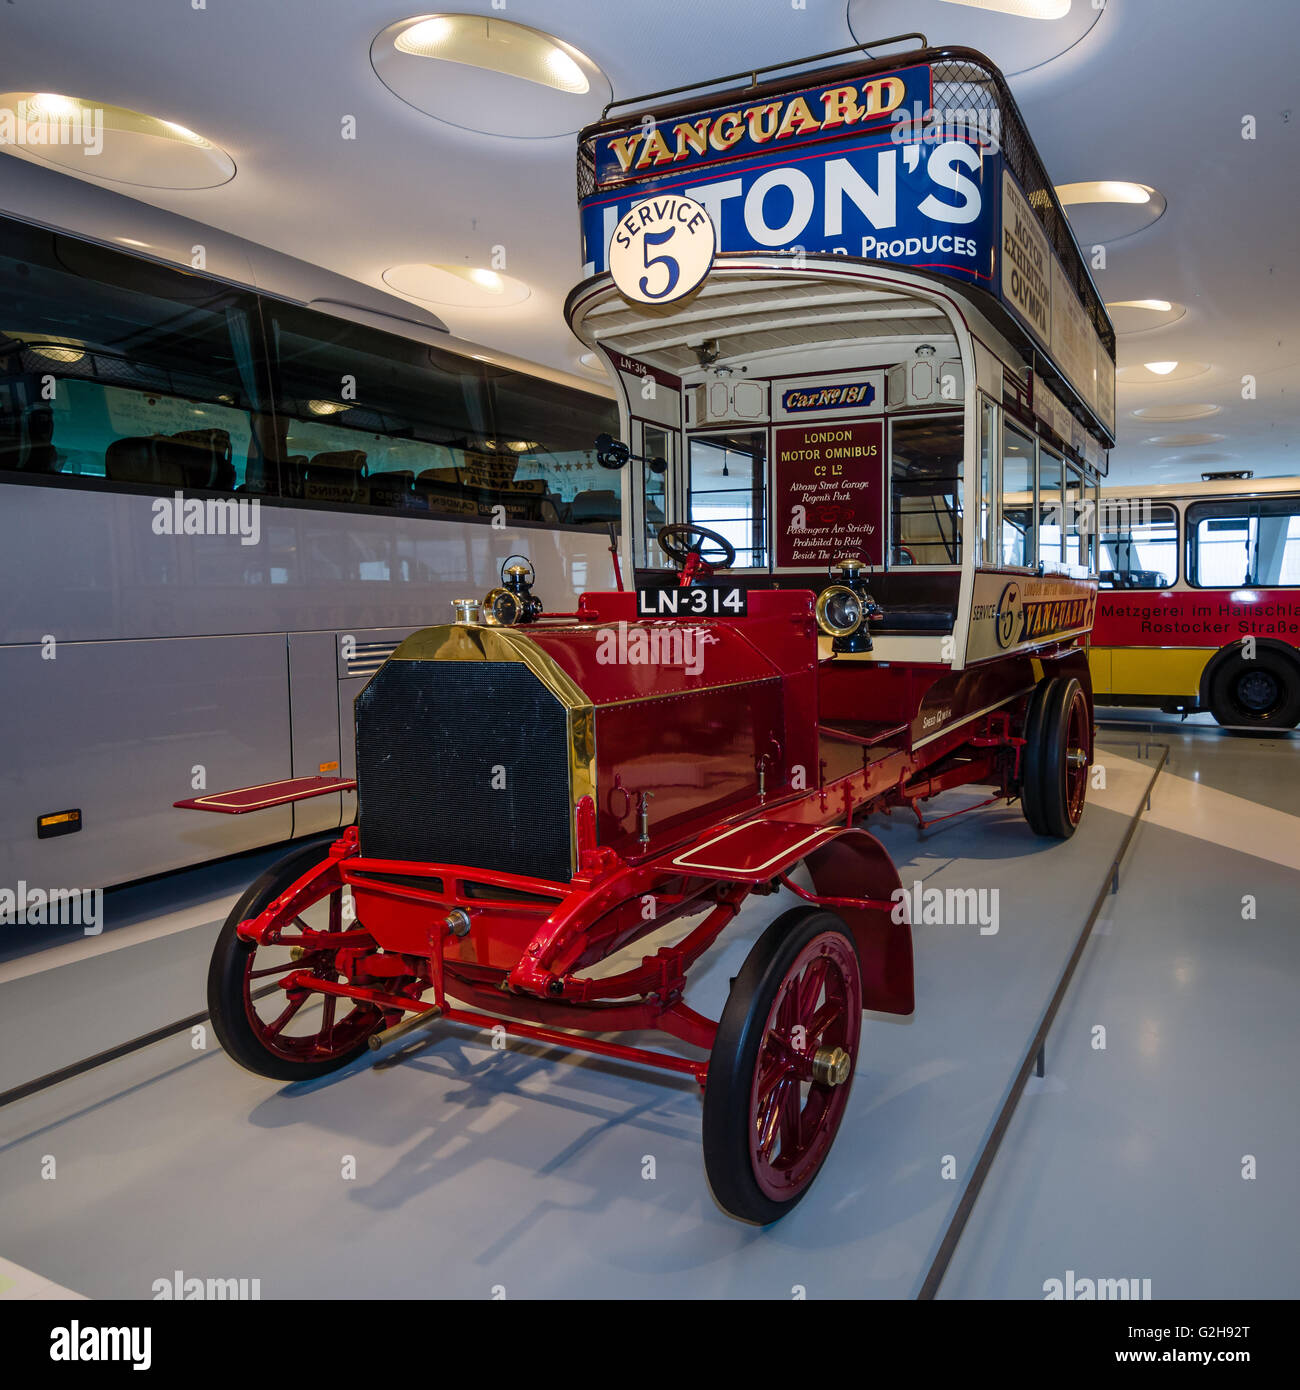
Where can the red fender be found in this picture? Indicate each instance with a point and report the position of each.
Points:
(856, 865)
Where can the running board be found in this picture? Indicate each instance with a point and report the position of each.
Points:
(258, 798)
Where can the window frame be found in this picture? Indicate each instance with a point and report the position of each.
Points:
(903, 417)
(1244, 505)
(1156, 505)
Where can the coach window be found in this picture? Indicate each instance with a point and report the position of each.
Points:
(1051, 507)
(1139, 545)
(1017, 497)
(549, 432)
(925, 488)
(727, 478)
(115, 369)
(368, 417)
(988, 479)
(1244, 542)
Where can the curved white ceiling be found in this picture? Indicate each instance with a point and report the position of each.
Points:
(1153, 92)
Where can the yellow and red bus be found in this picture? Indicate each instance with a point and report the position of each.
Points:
(1199, 602)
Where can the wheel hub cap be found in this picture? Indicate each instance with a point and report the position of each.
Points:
(831, 1066)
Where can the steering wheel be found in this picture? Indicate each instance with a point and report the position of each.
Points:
(899, 552)
(684, 544)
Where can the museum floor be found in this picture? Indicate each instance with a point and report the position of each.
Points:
(527, 1170)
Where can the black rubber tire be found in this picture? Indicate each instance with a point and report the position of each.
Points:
(1053, 772)
(1046, 761)
(226, 977)
(734, 1056)
(1225, 691)
(1031, 781)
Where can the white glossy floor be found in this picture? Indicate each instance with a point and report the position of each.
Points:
(477, 1170)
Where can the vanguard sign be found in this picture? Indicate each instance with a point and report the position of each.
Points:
(727, 132)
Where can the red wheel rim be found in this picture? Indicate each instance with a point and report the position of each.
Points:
(1076, 758)
(296, 1024)
(793, 1116)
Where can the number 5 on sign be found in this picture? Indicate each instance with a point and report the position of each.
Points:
(662, 249)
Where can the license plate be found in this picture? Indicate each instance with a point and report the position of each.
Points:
(698, 601)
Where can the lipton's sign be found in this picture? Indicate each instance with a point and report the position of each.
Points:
(781, 122)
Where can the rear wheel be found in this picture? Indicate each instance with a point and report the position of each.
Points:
(1057, 752)
(289, 1034)
(782, 1065)
(1261, 693)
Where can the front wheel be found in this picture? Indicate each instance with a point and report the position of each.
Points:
(287, 1034)
(782, 1064)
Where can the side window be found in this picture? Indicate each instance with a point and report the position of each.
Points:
(1051, 508)
(1139, 545)
(1018, 529)
(1244, 542)
(118, 369)
(925, 490)
(1077, 521)
(988, 480)
(728, 493)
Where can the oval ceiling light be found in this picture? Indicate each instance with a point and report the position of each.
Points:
(461, 286)
(1183, 441)
(1167, 414)
(94, 140)
(1105, 210)
(1024, 9)
(1141, 315)
(1017, 34)
(1152, 372)
(593, 362)
(490, 75)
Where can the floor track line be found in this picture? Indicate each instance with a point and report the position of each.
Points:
(1110, 884)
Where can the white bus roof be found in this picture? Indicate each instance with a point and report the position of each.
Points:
(1221, 487)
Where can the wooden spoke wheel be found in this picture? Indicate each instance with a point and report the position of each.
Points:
(782, 1065)
(287, 1034)
(1056, 757)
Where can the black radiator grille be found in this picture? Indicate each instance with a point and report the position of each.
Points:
(464, 762)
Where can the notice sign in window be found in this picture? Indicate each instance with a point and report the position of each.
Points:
(829, 497)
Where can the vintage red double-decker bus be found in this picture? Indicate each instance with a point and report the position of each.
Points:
(856, 368)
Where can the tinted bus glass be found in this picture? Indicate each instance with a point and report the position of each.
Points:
(115, 368)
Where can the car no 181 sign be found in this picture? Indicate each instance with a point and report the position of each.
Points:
(662, 249)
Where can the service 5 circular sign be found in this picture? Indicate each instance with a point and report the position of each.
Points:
(662, 249)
